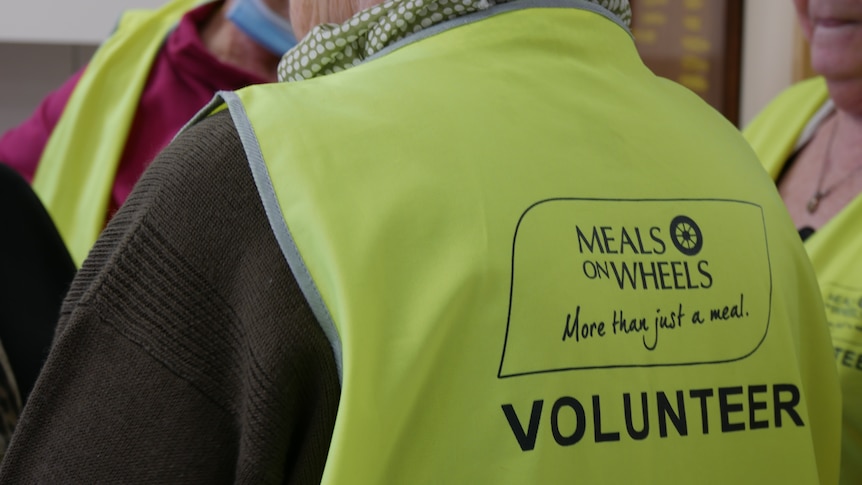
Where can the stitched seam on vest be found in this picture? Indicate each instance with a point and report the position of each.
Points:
(279, 225)
(496, 10)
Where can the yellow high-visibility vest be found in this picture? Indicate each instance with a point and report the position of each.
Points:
(537, 262)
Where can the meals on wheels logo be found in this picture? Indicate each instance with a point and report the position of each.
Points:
(686, 236)
(599, 283)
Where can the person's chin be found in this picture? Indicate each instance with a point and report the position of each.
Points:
(838, 55)
(846, 91)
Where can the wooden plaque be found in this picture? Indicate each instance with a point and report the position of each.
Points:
(696, 43)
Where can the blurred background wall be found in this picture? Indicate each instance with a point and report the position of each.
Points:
(736, 54)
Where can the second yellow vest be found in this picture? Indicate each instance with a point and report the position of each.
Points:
(835, 251)
(76, 171)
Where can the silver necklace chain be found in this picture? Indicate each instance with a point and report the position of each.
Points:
(821, 193)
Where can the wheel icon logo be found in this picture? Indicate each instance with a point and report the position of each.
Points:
(686, 235)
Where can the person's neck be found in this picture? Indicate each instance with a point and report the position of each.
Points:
(848, 140)
(847, 96)
(232, 46)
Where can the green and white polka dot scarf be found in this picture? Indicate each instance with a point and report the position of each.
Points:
(330, 48)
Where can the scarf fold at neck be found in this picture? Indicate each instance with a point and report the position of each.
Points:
(330, 48)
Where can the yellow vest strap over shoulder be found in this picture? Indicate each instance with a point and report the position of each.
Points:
(774, 141)
(77, 168)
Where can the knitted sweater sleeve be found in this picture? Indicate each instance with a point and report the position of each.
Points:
(185, 351)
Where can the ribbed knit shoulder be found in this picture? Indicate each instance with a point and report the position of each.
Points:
(185, 347)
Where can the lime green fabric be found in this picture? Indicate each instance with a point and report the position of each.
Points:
(774, 141)
(537, 273)
(835, 253)
(79, 163)
(330, 48)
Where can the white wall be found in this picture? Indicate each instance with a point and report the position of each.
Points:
(767, 53)
(63, 21)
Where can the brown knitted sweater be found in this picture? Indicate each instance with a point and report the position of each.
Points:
(185, 352)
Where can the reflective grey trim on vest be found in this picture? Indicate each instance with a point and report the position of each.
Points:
(495, 10)
(264, 183)
(203, 113)
(816, 120)
(275, 216)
